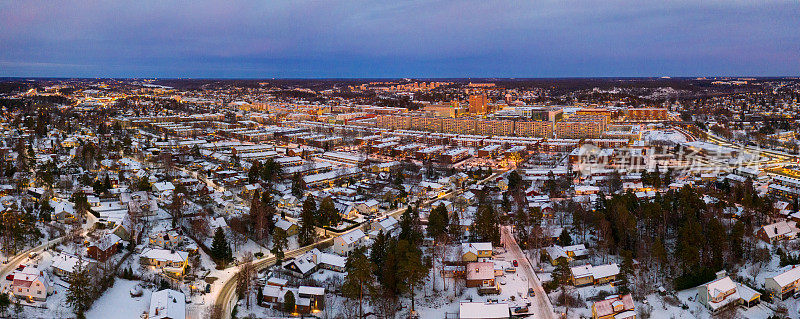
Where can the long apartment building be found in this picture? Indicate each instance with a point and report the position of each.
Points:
(465, 125)
(581, 126)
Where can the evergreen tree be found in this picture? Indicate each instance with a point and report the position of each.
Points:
(486, 226)
(358, 281)
(289, 302)
(377, 254)
(279, 244)
(564, 239)
(328, 213)
(410, 269)
(437, 221)
(298, 185)
(410, 229)
(79, 293)
(307, 233)
(220, 249)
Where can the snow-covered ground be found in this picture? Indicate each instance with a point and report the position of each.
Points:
(117, 300)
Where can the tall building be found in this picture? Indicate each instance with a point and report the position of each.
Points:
(478, 103)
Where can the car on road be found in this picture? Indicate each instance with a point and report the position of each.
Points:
(523, 309)
(515, 263)
(531, 292)
(511, 269)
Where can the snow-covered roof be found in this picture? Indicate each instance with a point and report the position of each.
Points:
(480, 310)
(787, 277)
(720, 287)
(167, 304)
(165, 254)
(595, 272)
(308, 290)
(353, 236)
(475, 247)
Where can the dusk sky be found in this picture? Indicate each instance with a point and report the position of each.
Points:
(323, 39)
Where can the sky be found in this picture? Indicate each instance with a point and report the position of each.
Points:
(393, 39)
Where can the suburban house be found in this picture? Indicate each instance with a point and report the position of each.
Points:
(288, 227)
(570, 253)
(785, 284)
(63, 211)
(476, 252)
(105, 247)
(483, 310)
(315, 297)
(345, 244)
(63, 265)
(614, 307)
(172, 262)
(31, 284)
(778, 231)
(593, 275)
(167, 304)
(389, 225)
(307, 299)
(723, 292)
(368, 207)
(306, 264)
(480, 274)
(168, 239)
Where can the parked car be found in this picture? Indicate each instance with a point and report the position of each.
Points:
(511, 269)
(531, 292)
(515, 263)
(521, 309)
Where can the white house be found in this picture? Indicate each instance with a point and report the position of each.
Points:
(31, 283)
(345, 244)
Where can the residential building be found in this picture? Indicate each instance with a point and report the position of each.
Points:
(614, 307)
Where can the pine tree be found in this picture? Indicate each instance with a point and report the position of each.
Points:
(564, 239)
(437, 221)
(328, 213)
(358, 281)
(307, 233)
(378, 253)
(289, 302)
(220, 249)
(410, 229)
(80, 289)
(279, 244)
(410, 268)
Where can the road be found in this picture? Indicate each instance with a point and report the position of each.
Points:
(542, 308)
(225, 297)
(17, 260)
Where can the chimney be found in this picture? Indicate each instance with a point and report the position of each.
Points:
(721, 274)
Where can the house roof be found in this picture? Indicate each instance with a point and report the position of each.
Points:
(353, 236)
(606, 307)
(782, 228)
(167, 303)
(476, 310)
(165, 254)
(596, 272)
(475, 247)
(308, 290)
(480, 271)
(787, 277)
(719, 286)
